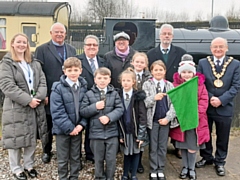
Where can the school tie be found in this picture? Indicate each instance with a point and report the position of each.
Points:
(139, 84)
(159, 88)
(165, 51)
(218, 67)
(74, 86)
(127, 97)
(102, 95)
(93, 67)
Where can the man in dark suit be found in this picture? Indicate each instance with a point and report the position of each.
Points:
(167, 52)
(90, 62)
(171, 56)
(53, 54)
(222, 82)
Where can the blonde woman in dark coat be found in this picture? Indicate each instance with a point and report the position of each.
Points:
(24, 85)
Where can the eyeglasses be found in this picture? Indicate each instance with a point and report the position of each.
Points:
(166, 33)
(90, 45)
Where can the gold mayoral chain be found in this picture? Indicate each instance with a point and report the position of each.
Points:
(218, 82)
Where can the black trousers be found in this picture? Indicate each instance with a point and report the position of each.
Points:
(223, 126)
(48, 147)
(88, 151)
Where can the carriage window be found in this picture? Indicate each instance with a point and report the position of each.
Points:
(129, 28)
(2, 33)
(29, 29)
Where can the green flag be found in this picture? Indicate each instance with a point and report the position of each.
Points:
(185, 102)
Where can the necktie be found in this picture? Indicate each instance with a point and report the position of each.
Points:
(92, 65)
(218, 67)
(139, 82)
(159, 88)
(127, 97)
(74, 86)
(165, 51)
(102, 95)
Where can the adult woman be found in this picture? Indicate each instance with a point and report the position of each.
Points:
(24, 85)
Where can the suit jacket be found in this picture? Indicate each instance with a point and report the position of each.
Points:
(86, 69)
(226, 93)
(52, 63)
(174, 57)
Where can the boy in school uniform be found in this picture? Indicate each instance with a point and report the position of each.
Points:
(66, 98)
(103, 107)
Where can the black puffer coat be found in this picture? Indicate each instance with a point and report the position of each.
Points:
(113, 109)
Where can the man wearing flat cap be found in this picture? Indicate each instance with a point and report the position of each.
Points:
(119, 58)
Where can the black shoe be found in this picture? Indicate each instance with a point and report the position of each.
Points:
(202, 163)
(32, 173)
(46, 157)
(184, 173)
(161, 176)
(21, 176)
(134, 178)
(90, 159)
(220, 170)
(140, 169)
(124, 178)
(178, 153)
(193, 175)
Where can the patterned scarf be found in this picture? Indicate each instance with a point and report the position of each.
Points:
(122, 55)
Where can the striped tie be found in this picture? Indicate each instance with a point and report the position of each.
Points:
(92, 65)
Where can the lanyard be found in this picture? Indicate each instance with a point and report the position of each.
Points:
(64, 54)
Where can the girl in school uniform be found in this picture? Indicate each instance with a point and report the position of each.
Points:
(132, 124)
(160, 112)
(191, 140)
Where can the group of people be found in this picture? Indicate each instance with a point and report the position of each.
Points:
(120, 101)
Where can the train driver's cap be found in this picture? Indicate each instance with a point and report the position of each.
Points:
(121, 35)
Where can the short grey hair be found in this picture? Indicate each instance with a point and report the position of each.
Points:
(166, 26)
(57, 23)
(91, 37)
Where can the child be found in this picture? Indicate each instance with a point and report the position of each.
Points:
(103, 106)
(191, 140)
(66, 98)
(140, 64)
(159, 112)
(133, 122)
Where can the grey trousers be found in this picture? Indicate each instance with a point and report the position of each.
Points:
(68, 152)
(15, 157)
(158, 136)
(104, 150)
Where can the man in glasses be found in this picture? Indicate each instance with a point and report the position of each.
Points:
(53, 55)
(119, 58)
(90, 62)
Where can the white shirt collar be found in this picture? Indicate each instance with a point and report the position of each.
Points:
(129, 93)
(215, 60)
(162, 83)
(70, 82)
(140, 73)
(105, 89)
(161, 48)
(95, 59)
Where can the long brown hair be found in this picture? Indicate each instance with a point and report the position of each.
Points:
(27, 53)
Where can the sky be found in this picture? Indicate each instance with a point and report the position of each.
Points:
(192, 7)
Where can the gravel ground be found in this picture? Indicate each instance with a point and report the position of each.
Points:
(49, 171)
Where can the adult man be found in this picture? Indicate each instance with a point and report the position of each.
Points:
(167, 52)
(119, 58)
(222, 82)
(171, 55)
(90, 62)
(53, 54)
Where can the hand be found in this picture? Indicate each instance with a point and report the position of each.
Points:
(121, 140)
(159, 96)
(163, 121)
(140, 142)
(79, 128)
(100, 105)
(215, 102)
(74, 132)
(104, 119)
(34, 103)
(46, 101)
